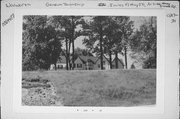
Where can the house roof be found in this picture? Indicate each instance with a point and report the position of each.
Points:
(84, 59)
(62, 59)
(119, 60)
(104, 57)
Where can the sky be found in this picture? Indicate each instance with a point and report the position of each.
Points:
(137, 22)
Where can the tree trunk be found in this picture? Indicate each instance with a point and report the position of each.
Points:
(50, 59)
(155, 53)
(69, 58)
(116, 59)
(73, 28)
(73, 54)
(125, 54)
(101, 50)
(110, 59)
(101, 57)
(67, 55)
(70, 67)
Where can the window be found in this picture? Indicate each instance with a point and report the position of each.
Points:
(79, 65)
(59, 66)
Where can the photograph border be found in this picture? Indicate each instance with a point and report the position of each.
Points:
(160, 71)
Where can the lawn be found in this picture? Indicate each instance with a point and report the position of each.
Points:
(99, 88)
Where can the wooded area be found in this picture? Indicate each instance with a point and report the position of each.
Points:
(44, 37)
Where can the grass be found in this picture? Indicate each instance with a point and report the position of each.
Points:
(102, 88)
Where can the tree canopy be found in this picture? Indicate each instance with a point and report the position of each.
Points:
(144, 41)
(44, 37)
(41, 43)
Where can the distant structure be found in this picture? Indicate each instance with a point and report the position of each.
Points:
(106, 64)
(61, 63)
(87, 63)
(132, 66)
(120, 63)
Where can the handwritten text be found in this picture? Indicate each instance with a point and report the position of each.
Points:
(63, 4)
(18, 5)
(11, 17)
(137, 5)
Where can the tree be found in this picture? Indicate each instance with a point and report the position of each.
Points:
(109, 35)
(95, 40)
(41, 43)
(31, 26)
(126, 26)
(144, 40)
(149, 63)
(62, 24)
(112, 42)
(74, 22)
(81, 52)
(70, 27)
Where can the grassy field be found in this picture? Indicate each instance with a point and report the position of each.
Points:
(102, 88)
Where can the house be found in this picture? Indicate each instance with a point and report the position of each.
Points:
(120, 64)
(106, 64)
(94, 63)
(85, 63)
(61, 63)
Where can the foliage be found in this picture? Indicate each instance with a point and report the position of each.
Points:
(93, 30)
(81, 52)
(71, 29)
(43, 37)
(96, 33)
(41, 43)
(109, 35)
(126, 26)
(144, 40)
(149, 63)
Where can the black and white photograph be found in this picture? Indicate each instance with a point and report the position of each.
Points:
(97, 61)
(89, 59)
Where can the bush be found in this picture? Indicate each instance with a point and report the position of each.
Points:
(150, 63)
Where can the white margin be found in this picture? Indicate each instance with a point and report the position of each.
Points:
(17, 92)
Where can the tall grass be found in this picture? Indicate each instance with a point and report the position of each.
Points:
(102, 88)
